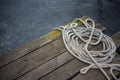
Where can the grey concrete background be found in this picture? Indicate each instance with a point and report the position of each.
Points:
(22, 21)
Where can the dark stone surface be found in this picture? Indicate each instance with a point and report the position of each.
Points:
(22, 21)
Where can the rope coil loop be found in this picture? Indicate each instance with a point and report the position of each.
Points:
(78, 40)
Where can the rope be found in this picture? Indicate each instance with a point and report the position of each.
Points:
(78, 40)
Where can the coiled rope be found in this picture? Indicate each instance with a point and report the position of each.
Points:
(90, 36)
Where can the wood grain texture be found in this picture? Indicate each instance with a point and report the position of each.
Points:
(64, 71)
(48, 67)
(32, 60)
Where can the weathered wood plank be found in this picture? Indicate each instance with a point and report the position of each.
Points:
(91, 75)
(47, 67)
(40, 69)
(64, 71)
(73, 67)
(32, 60)
(44, 69)
(31, 46)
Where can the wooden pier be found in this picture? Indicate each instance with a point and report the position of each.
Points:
(46, 58)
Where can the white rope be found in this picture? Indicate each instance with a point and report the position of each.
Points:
(77, 41)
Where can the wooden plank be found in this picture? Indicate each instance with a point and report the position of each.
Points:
(91, 75)
(73, 67)
(64, 71)
(44, 69)
(47, 67)
(40, 69)
(32, 60)
(31, 46)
